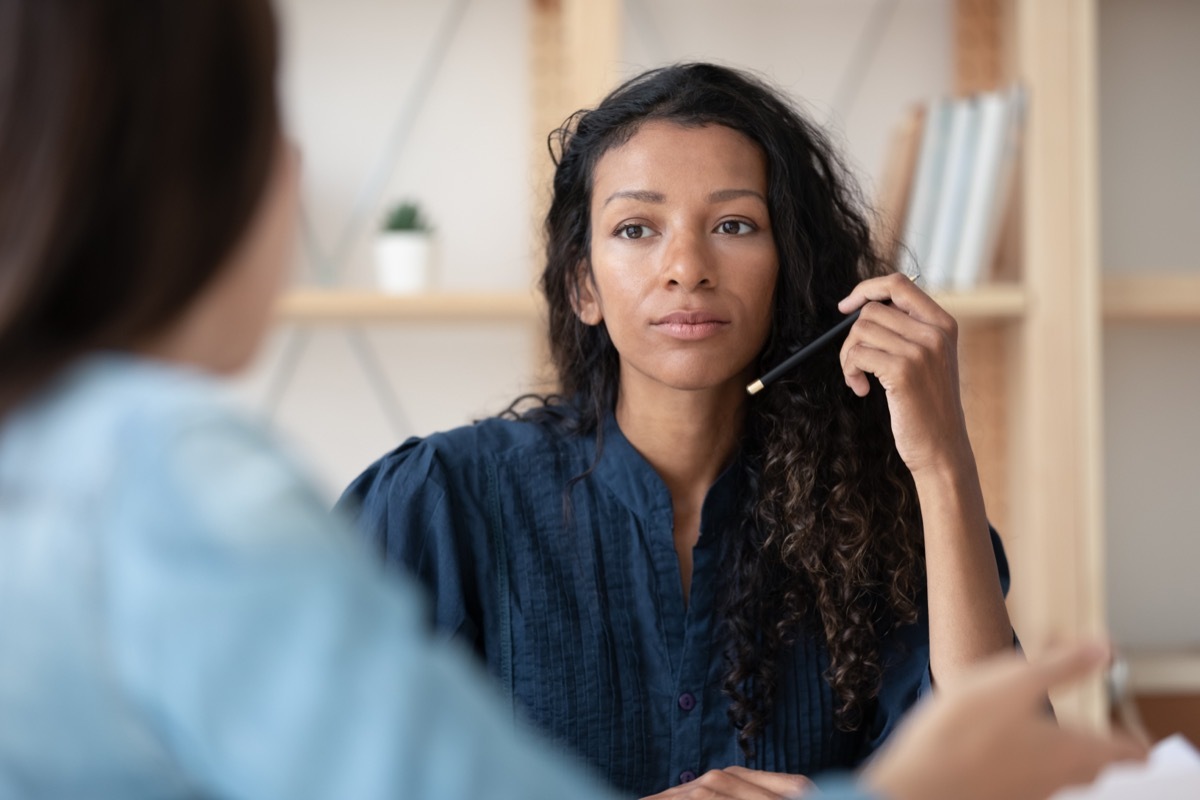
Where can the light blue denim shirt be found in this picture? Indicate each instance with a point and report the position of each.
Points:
(180, 617)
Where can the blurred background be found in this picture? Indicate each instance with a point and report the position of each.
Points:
(1080, 379)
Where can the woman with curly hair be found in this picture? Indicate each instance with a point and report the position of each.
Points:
(667, 575)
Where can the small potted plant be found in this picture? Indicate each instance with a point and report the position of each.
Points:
(404, 250)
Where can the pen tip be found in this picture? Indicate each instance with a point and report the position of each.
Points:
(755, 387)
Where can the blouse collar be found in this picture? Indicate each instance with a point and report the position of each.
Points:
(634, 482)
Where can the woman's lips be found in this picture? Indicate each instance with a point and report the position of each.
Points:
(690, 325)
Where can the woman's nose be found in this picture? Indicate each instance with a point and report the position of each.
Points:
(687, 262)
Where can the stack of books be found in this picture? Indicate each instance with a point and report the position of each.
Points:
(948, 186)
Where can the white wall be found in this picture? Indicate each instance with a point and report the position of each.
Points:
(1150, 210)
(807, 48)
(349, 67)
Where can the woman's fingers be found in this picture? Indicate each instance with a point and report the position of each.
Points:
(988, 735)
(913, 327)
(910, 344)
(1060, 666)
(903, 324)
(903, 294)
(914, 350)
(781, 783)
(739, 783)
(1085, 754)
(859, 360)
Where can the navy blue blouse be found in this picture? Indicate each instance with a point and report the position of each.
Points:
(579, 612)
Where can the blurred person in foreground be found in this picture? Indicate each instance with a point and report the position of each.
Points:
(179, 615)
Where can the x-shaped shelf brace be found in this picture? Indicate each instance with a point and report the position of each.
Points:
(328, 267)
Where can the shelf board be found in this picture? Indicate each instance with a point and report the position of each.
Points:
(1152, 297)
(1170, 672)
(312, 306)
(994, 302)
(345, 306)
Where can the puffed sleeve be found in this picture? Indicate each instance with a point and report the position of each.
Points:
(405, 506)
(906, 671)
(276, 660)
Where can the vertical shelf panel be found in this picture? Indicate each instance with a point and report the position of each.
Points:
(1057, 490)
(548, 105)
(985, 365)
(985, 350)
(575, 46)
(592, 46)
(979, 53)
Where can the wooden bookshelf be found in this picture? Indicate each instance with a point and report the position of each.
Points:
(344, 306)
(1161, 297)
(1165, 672)
(992, 303)
(1165, 686)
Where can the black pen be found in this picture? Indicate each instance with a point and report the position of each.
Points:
(795, 358)
(804, 352)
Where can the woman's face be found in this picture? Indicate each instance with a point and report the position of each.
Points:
(683, 261)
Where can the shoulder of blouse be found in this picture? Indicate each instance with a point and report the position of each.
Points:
(493, 439)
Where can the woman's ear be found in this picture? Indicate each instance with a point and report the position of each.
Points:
(587, 299)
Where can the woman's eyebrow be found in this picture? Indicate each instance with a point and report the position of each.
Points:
(645, 195)
(648, 196)
(732, 194)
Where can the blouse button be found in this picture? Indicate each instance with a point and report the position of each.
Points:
(687, 701)
(687, 776)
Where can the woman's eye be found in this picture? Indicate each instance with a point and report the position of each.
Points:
(632, 231)
(734, 227)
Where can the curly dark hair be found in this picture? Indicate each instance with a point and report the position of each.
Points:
(831, 534)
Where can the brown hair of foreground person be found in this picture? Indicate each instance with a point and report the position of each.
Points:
(154, 161)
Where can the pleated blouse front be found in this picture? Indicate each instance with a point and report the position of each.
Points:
(577, 607)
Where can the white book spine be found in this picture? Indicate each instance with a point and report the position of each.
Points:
(983, 196)
(952, 197)
(926, 184)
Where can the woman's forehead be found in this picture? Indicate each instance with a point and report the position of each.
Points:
(663, 154)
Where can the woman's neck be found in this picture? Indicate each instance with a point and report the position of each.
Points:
(688, 437)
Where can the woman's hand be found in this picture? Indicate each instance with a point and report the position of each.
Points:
(990, 738)
(739, 783)
(911, 347)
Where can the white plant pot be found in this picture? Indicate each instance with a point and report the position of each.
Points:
(404, 261)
